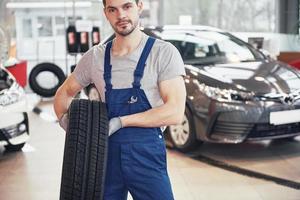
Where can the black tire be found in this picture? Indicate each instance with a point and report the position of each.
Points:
(50, 67)
(12, 148)
(191, 142)
(84, 163)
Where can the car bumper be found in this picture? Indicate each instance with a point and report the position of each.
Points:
(235, 123)
(14, 129)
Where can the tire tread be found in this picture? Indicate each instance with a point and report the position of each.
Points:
(84, 165)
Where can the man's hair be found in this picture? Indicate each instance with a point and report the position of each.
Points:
(104, 2)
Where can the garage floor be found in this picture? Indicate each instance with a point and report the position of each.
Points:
(254, 171)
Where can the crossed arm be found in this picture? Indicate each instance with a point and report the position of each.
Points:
(171, 112)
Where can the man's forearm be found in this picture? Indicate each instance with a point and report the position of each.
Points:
(64, 95)
(171, 112)
(163, 115)
(62, 102)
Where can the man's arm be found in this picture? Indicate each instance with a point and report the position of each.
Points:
(65, 94)
(173, 93)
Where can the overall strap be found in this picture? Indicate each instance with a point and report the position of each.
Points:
(107, 67)
(139, 71)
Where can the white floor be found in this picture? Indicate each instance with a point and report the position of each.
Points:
(35, 173)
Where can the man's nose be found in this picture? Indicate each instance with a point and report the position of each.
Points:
(121, 13)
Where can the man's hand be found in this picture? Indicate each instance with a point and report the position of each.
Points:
(114, 125)
(64, 121)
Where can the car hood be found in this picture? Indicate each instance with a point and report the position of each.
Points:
(257, 77)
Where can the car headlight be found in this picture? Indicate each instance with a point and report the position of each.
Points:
(11, 95)
(225, 94)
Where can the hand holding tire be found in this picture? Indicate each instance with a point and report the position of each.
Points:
(64, 121)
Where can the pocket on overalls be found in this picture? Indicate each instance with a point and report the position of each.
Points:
(149, 156)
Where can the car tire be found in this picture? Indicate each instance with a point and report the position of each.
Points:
(12, 148)
(85, 153)
(49, 67)
(183, 136)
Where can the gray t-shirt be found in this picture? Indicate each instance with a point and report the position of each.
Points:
(164, 63)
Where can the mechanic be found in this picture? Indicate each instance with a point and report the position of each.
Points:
(140, 79)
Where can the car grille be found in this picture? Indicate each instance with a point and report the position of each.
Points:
(229, 128)
(269, 130)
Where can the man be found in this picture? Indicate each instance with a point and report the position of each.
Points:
(140, 79)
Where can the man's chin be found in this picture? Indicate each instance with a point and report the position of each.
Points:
(125, 32)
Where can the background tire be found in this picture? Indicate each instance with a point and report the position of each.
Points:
(183, 136)
(49, 67)
(85, 153)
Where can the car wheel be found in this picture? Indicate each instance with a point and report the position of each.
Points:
(12, 148)
(183, 136)
(37, 87)
(84, 162)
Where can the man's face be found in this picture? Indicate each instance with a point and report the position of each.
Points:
(123, 15)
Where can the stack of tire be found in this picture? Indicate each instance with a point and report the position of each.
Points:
(85, 153)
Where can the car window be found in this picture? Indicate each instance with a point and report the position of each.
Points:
(206, 47)
(198, 53)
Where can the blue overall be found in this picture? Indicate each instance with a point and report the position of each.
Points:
(136, 160)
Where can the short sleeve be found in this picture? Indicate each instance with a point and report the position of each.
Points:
(83, 69)
(170, 63)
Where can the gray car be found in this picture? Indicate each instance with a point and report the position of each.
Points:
(234, 92)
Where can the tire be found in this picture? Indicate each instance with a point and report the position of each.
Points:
(184, 131)
(45, 92)
(85, 153)
(12, 148)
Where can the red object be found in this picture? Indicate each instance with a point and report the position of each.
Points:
(295, 63)
(19, 71)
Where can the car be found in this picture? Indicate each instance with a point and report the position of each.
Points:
(295, 63)
(14, 129)
(235, 93)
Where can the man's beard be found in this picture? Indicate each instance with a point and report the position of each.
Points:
(126, 31)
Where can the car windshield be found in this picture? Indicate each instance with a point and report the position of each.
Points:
(5, 80)
(211, 47)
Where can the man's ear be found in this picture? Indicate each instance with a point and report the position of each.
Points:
(140, 7)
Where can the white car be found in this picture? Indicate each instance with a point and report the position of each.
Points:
(14, 131)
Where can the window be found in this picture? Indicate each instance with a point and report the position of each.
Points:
(233, 15)
(60, 25)
(45, 26)
(27, 28)
(209, 47)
